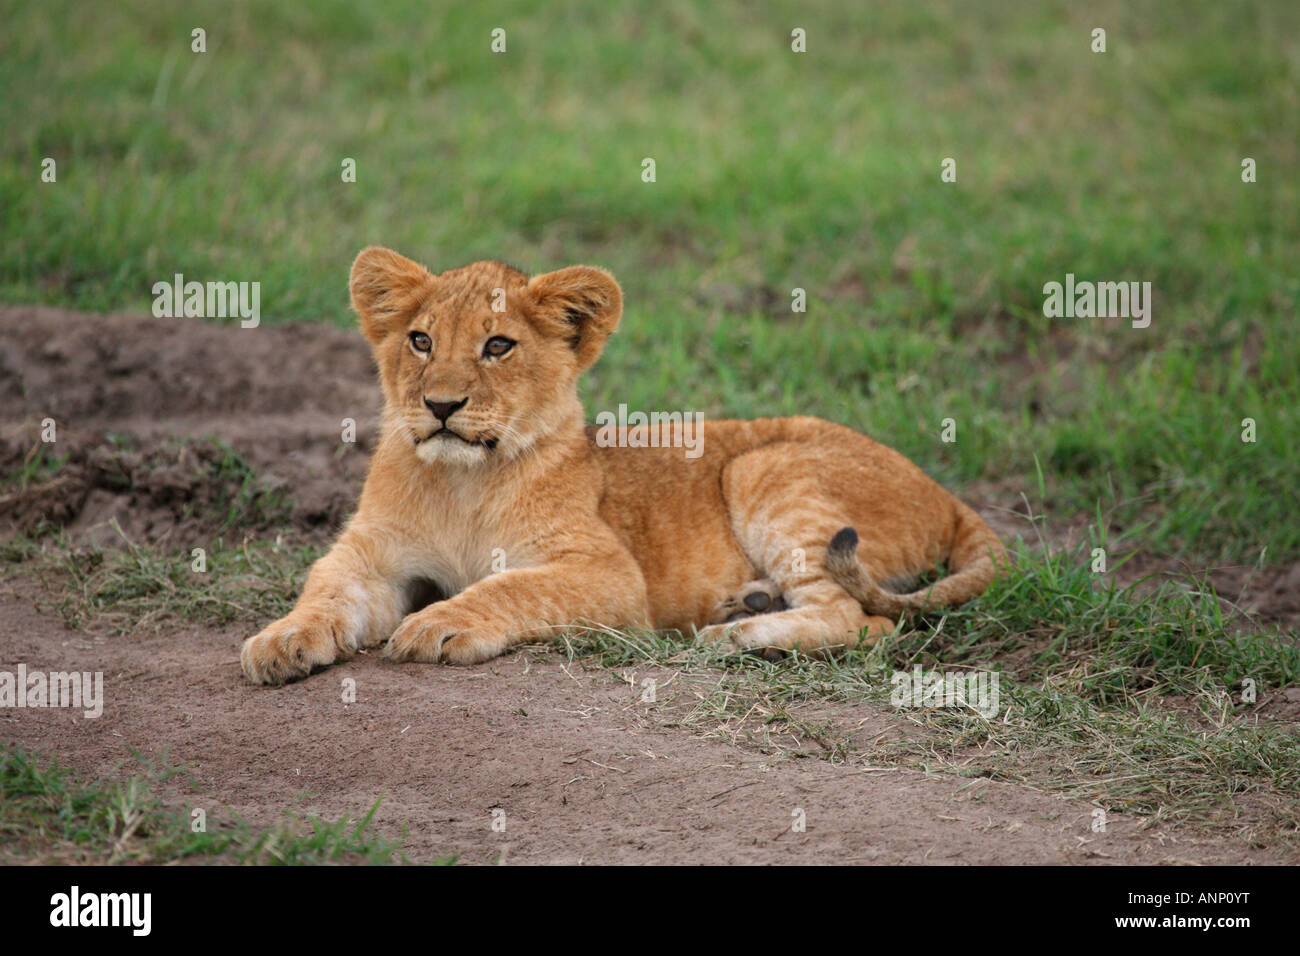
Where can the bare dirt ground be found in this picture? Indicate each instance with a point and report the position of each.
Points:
(584, 771)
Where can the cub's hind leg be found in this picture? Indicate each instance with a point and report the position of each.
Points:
(783, 520)
(823, 620)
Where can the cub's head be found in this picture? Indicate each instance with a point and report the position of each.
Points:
(479, 363)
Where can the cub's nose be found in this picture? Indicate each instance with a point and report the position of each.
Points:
(444, 410)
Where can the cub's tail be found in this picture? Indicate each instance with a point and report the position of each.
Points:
(976, 556)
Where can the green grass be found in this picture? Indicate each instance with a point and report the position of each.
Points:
(49, 815)
(40, 464)
(135, 588)
(775, 170)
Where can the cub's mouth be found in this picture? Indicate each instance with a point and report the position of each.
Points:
(448, 434)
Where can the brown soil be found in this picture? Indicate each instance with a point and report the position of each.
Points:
(583, 771)
(131, 395)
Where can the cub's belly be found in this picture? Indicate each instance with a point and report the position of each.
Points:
(667, 508)
(688, 555)
(685, 587)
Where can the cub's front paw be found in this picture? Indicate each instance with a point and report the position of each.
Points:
(290, 648)
(448, 635)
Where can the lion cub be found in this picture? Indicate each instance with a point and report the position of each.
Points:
(486, 489)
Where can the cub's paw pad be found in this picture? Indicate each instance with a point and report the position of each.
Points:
(756, 597)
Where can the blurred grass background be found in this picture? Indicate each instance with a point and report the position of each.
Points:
(775, 170)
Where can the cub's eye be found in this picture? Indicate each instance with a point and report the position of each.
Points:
(421, 342)
(497, 346)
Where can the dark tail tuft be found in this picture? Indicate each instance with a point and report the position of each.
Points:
(844, 542)
(974, 558)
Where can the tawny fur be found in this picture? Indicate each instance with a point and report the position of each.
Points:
(526, 527)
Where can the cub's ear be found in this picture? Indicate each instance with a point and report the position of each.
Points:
(582, 304)
(386, 290)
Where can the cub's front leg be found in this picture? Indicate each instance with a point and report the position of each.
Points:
(522, 605)
(347, 603)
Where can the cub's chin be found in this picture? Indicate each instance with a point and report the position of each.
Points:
(451, 451)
